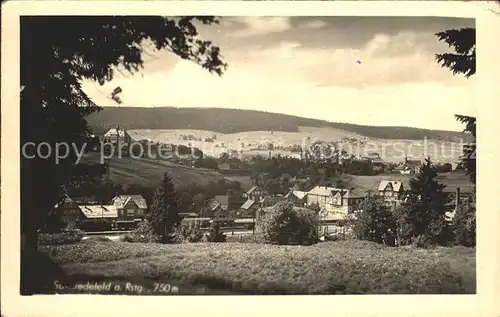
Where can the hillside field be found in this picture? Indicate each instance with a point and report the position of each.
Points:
(149, 171)
(362, 183)
(392, 150)
(230, 121)
(146, 171)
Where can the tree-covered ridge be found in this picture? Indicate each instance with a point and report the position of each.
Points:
(237, 120)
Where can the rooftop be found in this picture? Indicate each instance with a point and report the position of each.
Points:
(121, 200)
(99, 211)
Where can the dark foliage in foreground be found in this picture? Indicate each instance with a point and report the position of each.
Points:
(56, 54)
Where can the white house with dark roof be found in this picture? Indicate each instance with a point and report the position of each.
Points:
(105, 212)
(335, 203)
(118, 135)
(249, 208)
(130, 207)
(219, 202)
(256, 193)
(297, 197)
(391, 190)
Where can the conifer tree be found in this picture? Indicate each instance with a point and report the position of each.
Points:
(375, 222)
(216, 234)
(424, 210)
(463, 61)
(164, 213)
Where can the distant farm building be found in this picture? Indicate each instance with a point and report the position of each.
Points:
(118, 135)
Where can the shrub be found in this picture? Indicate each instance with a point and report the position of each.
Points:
(285, 224)
(127, 238)
(192, 232)
(216, 234)
(59, 238)
(98, 239)
(375, 222)
(143, 233)
(464, 225)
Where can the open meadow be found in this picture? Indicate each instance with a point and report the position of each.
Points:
(148, 171)
(364, 183)
(392, 150)
(342, 267)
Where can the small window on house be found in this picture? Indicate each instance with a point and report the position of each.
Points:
(130, 212)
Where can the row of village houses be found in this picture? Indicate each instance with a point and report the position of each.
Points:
(126, 211)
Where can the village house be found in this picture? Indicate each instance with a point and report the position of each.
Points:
(106, 213)
(297, 197)
(256, 193)
(120, 138)
(69, 210)
(218, 206)
(409, 167)
(118, 135)
(130, 207)
(97, 217)
(391, 191)
(335, 203)
(249, 208)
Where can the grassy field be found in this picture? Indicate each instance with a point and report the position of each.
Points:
(149, 171)
(344, 267)
(364, 183)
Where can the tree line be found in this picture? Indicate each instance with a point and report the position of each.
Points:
(239, 120)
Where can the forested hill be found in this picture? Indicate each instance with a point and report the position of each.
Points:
(235, 120)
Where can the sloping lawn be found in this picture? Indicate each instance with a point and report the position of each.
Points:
(346, 267)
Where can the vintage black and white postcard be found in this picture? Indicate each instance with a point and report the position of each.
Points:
(204, 148)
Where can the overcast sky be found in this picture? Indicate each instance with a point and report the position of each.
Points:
(308, 66)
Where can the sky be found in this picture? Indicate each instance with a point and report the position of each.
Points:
(364, 70)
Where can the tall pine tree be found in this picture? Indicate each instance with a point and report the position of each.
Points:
(462, 61)
(164, 212)
(424, 210)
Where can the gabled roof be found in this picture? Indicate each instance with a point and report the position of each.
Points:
(396, 185)
(121, 200)
(84, 200)
(99, 211)
(323, 191)
(251, 190)
(248, 204)
(114, 132)
(222, 199)
(299, 194)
